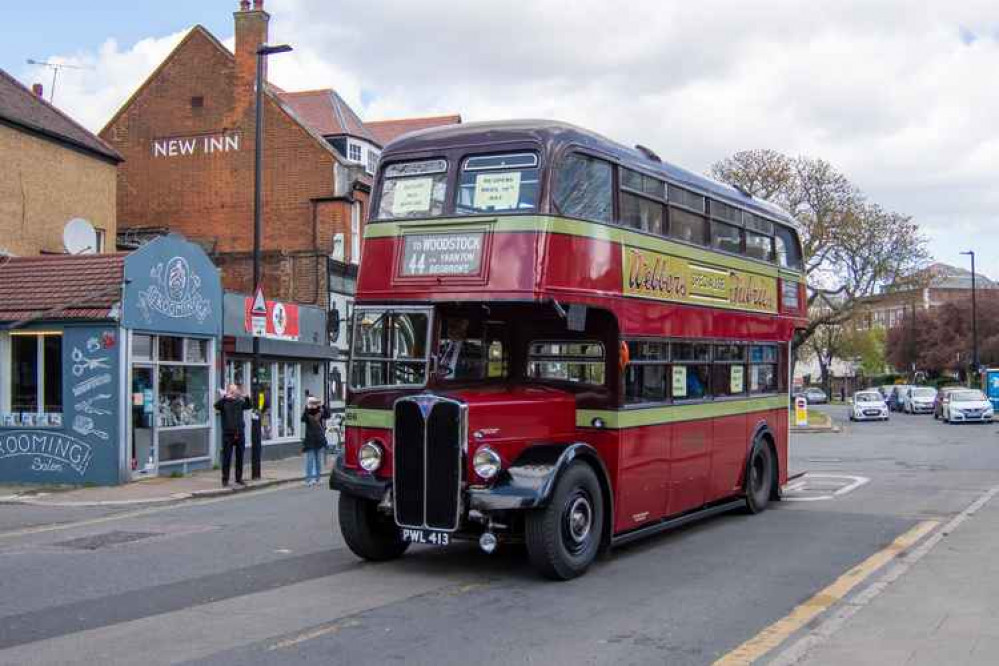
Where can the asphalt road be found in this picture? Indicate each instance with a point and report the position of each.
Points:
(263, 578)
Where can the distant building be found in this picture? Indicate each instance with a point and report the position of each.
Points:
(53, 171)
(943, 284)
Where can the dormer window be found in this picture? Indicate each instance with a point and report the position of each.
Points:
(355, 152)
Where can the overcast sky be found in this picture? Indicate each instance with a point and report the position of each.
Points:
(900, 95)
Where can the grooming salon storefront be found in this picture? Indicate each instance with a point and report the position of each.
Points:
(108, 366)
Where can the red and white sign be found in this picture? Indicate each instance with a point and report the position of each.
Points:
(280, 322)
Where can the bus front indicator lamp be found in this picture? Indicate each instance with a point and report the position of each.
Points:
(486, 462)
(370, 455)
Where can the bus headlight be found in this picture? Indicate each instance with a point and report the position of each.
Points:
(486, 462)
(370, 455)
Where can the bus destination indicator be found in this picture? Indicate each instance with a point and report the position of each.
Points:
(669, 278)
(442, 254)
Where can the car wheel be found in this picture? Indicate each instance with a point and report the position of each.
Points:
(564, 537)
(369, 534)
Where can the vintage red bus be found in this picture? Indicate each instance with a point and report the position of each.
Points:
(561, 340)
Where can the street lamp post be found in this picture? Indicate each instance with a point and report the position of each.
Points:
(974, 315)
(256, 444)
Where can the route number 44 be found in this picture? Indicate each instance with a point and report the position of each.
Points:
(418, 264)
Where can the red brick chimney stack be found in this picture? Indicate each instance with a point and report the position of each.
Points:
(37, 89)
(251, 33)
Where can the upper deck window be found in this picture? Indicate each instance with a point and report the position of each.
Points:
(413, 189)
(494, 183)
(584, 188)
(641, 201)
(788, 249)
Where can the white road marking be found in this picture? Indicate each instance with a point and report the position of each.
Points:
(802, 486)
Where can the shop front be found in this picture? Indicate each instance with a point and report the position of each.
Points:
(293, 365)
(107, 364)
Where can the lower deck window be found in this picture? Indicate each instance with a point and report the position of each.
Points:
(577, 362)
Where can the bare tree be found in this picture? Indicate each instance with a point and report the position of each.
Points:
(852, 247)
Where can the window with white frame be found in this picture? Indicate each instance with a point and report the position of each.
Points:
(355, 152)
(355, 232)
(281, 384)
(372, 166)
(35, 385)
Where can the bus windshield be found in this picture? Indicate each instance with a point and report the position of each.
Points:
(390, 348)
(491, 183)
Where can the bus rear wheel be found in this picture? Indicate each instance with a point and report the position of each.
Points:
(759, 477)
(564, 537)
(369, 534)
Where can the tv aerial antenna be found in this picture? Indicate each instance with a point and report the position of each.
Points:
(55, 67)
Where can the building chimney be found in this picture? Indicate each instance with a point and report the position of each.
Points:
(37, 89)
(251, 34)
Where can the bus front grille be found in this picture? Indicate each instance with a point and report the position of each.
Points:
(427, 453)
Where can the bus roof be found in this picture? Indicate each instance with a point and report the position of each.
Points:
(553, 134)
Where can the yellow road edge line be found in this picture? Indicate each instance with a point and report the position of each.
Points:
(781, 630)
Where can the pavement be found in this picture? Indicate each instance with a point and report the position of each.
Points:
(161, 489)
(939, 604)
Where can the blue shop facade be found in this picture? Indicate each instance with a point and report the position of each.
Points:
(120, 384)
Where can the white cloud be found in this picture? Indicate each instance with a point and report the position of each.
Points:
(898, 94)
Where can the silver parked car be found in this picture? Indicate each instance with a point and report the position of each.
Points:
(918, 400)
(967, 406)
(868, 406)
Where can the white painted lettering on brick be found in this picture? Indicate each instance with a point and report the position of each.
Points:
(199, 145)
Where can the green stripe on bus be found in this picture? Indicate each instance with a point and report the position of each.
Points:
(369, 418)
(572, 227)
(615, 419)
(634, 418)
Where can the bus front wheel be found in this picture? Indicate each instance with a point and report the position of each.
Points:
(563, 538)
(369, 534)
(759, 477)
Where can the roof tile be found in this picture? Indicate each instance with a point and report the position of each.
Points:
(61, 286)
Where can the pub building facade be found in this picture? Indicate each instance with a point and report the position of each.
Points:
(187, 138)
(108, 364)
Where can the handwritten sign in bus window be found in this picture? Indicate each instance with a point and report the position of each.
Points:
(736, 379)
(442, 254)
(679, 381)
(497, 191)
(412, 195)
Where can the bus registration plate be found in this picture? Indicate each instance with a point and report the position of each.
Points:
(429, 537)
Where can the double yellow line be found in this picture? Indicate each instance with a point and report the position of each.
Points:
(782, 629)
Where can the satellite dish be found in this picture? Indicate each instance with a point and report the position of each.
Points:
(79, 237)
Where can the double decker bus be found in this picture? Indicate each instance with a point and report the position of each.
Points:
(562, 341)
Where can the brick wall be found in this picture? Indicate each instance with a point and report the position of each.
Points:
(43, 185)
(206, 192)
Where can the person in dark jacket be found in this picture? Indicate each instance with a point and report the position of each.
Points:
(314, 417)
(231, 406)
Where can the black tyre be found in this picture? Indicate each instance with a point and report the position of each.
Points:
(369, 534)
(759, 477)
(564, 537)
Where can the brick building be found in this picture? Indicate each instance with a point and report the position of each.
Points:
(187, 135)
(943, 284)
(53, 171)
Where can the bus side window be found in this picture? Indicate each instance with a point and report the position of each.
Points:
(584, 188)
(788, 250)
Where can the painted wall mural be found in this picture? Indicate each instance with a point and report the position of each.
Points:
(82, 445)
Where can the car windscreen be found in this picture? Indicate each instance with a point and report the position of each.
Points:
(967, 396)
(868, 397)
(924, 393)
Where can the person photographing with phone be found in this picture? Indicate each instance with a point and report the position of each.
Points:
(314, 417)
(231, 406)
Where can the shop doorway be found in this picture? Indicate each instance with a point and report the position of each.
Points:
(144, 461)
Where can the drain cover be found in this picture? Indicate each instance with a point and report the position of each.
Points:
(105, 540)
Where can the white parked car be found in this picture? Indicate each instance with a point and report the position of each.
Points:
(966, 406)
(869, 406)
(919, 400)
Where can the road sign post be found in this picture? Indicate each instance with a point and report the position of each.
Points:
(258, 324)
